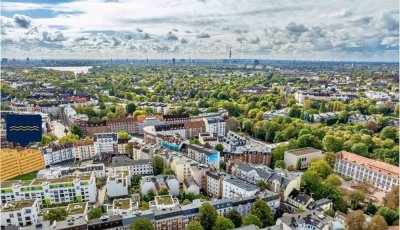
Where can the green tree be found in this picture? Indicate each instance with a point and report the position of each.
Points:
(68, 139)
(391, 216)
(223, 223)
(295, 112)
(56, 214)
(219, 147)
(163, 191)
(298, 165)
(391, 199)
(120, 111)
(194, 225)
(186, 202)
(333, 180)
(321, 167)
(355, 198)
(332, 143)
(330, 157)
(142, 224)
(235, 217)
(262, 185)
(252, 219)
(138, 113)
(123, 135)
(389, 132)
(168, 171)
(47, 139)
(75, 130)
(311, 182)
(207, 216)
(158, 165)
(263, 212)
(130, 107)
(279, 164)
(330, 212)
(360, 149)
(371, 208)
(95, 213)
(355, 220)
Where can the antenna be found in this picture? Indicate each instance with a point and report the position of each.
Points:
(230, 52)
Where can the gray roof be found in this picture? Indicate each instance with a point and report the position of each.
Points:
(119, 161)
(242, 184)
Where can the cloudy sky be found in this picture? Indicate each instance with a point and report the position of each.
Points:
(365, 30)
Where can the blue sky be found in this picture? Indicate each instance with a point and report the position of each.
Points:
(364, 30)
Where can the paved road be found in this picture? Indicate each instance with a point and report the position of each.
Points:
(58, 128)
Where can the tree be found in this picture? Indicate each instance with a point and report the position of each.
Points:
(207, 215)
(321, 167)
(75, 130)
(56, 214)
(371, 125)
(330, 157)
(391, 216)
(262, 185)
(355, 198)
(333, 180)
(223, 223)
(120, 111)
(263, 212)
(330, 212)
(252, 219)
(279, 164)
(47, 139)
(142, 224)
(295, 112)
(158, 165)
(360, 149)
(389, 132)
(332, 143)
(130, 107)
(391, 199)
(95, 213)
(377, 222)
(219, 147)
(138, 113)
(371, 208)
(194, 225)
(186, 202)
(355, 220)
(68, 139)
(123, 135)
(311, 182)
(298, 165)
(235, 217)
(169, 171)
(163, 191)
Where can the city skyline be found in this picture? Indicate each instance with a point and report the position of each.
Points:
(340, 31)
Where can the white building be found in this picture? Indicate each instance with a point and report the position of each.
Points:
(190, 186)
(303, 155)
(20, 213)
(98, 170)
(156, 183)
(104, 142)
(57, 154)
(308, 220)
(118, 184)
(235, 188)
(203, 155)
(66, 189)
(380, 175)
(138, 167)
(215, 126)
(181, 166)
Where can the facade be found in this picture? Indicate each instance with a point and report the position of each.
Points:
(156, 183)
(98, 170)
(381, 175)
(193, 128)
(308, 220)
(181, 166)
(215, 126)
(299, 200)
(20, 213)
(174, 119)
(66, 189)
(190, 186)
(14, 163)
(129, 125)
(235, 188)
(138, 167)
(303, 155)
(83, 150)
(56, 154)
(213, 183)
(104, 142)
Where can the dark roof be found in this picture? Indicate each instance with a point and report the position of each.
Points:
(119, 161)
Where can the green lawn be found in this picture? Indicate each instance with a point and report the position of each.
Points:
(28, 176)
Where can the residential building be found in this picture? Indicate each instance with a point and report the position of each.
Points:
(20, 213)
(203, 155)
(120, 147)
(118, 183)
(190, 186)
(235, 188)
(138, 167)
(104, 142)
(299, 200)
(56, 154)
(128, 124)
(125, 206)
(361, 119)
(379, 174)
(215, 126)
(303, 155)
(65, 189)
(78, 210)
(156, 183)
(14, 163)
(175, 119)
(212, 185)
(98, 170)
(83, 150)
(308, 220)
(193, 128)
(181, 166)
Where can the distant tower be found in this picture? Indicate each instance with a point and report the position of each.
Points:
(230, 52)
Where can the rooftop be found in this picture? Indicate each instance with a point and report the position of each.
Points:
(12, 206)
(122, 203)
(77, 208)
(164, 200)
(303, 151)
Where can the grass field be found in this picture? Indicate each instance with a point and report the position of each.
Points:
(28, 176)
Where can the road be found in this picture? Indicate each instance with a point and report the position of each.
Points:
(58, 128)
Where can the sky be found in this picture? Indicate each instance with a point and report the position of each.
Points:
(340, 30)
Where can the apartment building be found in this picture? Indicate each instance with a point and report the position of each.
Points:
(128, 124)
(203, 155)
(379, 174)
(174, 119)
(136, 167)
(66, 189)
(118, 183)
(56, 154)
(156, 183)
(104, 142)
(308, 220)
(235, 188)
(98, 170)
(182, 166)
(20, 213)
(215, 126)
(212, 185)
(303, 155)
(14, 162)
(83, 150)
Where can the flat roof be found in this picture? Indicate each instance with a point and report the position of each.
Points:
(122, 203)
(303, 151)
(76, 208)
(12, 206)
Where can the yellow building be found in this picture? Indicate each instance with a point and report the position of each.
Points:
(14, 163)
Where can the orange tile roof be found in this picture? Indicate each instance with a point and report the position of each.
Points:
(374, 165)
(141, 118)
